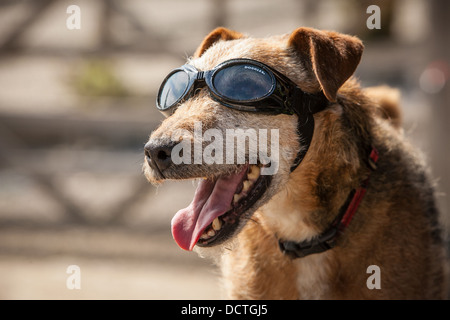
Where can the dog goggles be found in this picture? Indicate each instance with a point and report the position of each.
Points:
(242, 84)
(246, 85)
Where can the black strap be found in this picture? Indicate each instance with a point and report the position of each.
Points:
(305, 105)
(323, 242)
(305, 132)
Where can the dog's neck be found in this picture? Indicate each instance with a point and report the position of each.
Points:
(311, 198)
(328, 238)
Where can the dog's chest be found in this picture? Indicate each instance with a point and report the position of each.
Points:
(257, 269)
(300, 279)
(313, 278)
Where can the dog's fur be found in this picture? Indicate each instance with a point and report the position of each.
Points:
(396, 226)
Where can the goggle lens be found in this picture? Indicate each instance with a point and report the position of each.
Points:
(242, 83)
(173, 90)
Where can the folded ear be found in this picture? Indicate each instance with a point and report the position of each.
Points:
(217, 34)
(331, 56)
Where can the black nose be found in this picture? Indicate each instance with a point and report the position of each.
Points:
(158, 156)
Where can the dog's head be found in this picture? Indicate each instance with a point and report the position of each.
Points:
(242, 159)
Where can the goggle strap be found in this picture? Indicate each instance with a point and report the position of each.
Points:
(305, 131)
(305, 105)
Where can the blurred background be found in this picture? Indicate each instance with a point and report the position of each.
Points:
(77, 106)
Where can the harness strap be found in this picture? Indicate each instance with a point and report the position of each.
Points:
(304, 105)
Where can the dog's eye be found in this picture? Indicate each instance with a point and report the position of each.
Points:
(242, 83)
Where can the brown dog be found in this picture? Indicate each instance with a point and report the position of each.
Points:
(349, 212)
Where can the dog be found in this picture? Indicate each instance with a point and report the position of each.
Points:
(349, 212)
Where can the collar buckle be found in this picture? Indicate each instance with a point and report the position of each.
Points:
(323, 242)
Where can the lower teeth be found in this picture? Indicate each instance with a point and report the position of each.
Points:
(211, 233)
(216, 225)
(208, 234)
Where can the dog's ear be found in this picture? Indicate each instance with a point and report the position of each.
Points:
(217, 34)
(331, 56)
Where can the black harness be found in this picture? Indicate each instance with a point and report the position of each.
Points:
(305, 105)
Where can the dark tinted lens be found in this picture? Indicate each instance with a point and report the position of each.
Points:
(243, 82)
(173, 89)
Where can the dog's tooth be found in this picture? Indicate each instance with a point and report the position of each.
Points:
(236, 198)
(211, 233)
(246, 187)
(216, 224)
(204, 236)
(253, 173)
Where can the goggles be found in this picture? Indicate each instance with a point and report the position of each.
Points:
(241, 84)
(245, 85)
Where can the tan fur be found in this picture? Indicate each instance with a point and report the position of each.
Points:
(396, 226)
(388, 100)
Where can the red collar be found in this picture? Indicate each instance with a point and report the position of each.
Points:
(327, 240)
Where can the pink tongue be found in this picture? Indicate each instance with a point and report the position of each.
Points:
(211, 199)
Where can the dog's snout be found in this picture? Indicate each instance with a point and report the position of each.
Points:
(158, 156)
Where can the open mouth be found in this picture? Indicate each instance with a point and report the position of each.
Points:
(218, 207)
